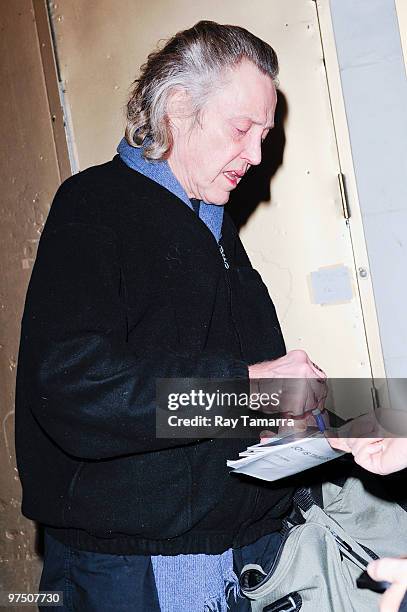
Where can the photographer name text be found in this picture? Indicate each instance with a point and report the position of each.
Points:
(220, 421)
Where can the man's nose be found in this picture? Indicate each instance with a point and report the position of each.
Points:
(252, 151)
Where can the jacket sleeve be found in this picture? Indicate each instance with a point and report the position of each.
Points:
(87, 391)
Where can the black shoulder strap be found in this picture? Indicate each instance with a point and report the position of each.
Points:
(304, 499)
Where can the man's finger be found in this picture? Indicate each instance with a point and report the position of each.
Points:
(317, 370)
(362, 447)
(266, 434)
(392, 598)
(340, 444)
(392, 570)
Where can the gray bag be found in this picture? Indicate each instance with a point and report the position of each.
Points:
(324, 551)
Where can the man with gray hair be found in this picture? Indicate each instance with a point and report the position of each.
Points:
(140, 275)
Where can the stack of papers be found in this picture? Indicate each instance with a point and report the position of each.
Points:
(284, 456)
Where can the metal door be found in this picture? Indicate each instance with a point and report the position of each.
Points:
(297, 236)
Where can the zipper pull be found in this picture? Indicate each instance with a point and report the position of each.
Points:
(347, 547)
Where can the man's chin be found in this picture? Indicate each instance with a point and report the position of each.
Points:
(219, 199)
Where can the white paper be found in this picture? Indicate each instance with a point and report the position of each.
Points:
(282, 457)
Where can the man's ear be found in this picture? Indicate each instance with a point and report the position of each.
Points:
(178, 106)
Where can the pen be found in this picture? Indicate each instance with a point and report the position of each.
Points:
(319, 419)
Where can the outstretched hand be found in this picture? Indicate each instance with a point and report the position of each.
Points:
(394, 571)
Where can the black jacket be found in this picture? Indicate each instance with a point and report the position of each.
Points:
(129, 285)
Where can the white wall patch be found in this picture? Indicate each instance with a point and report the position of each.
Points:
(331, 285)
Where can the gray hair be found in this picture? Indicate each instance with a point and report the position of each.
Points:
(192, 59)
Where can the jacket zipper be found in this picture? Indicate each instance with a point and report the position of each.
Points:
(225, 261)
(227, 266)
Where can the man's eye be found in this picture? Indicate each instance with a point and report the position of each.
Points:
(240, 131)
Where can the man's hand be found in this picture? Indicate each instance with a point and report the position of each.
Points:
(394, 571)
(378, 455)
(371, 446)
(299, 382)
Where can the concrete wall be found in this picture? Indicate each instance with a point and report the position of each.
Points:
(34, 160)
(374, 85)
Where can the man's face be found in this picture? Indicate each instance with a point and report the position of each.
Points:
(210, 157)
